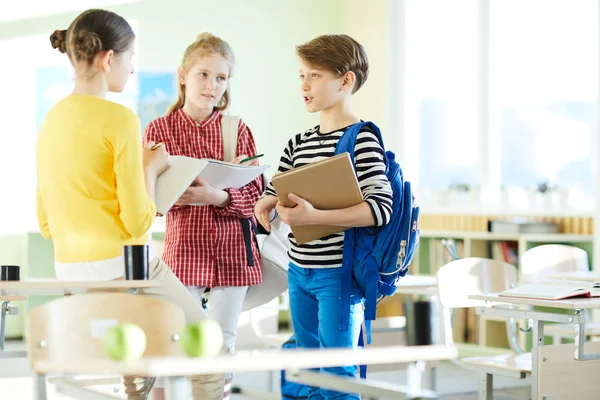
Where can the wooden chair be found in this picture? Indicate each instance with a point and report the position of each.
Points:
(71, 329)
(540, 263)
(468, 276)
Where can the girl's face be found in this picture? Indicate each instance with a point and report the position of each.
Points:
(206, 82)
(121, 67)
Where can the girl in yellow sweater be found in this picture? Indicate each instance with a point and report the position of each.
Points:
(95, 190)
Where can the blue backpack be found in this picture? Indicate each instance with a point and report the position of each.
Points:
(377, 257)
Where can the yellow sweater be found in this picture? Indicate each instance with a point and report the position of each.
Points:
(91, 191)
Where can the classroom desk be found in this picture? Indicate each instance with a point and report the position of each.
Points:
(19, 290)
(417, 285)
(7, 309)
(52, 287)
(586, 276)
(576, 315)
(176, 369)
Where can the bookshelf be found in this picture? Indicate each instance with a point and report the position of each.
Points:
(431, 255)
(476, 244)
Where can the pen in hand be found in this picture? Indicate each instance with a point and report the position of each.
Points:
(156, 146)
(251, 158)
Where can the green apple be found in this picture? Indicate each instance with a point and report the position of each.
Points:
(202, 339)
(124, 342)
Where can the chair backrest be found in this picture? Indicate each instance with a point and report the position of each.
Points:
(541, 262)
(72, 327)
(468, 276)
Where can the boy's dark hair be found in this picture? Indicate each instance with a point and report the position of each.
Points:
(90, 33)
(338, 54)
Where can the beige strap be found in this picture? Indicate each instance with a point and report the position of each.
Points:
(229, 129)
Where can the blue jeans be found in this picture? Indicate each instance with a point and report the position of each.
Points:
(315, 308)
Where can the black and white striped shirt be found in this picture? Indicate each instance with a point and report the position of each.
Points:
(312, 146)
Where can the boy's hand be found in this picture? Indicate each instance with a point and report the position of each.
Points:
(302, 214)
(262, 209)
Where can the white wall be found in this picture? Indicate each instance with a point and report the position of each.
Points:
(263, 34)
(368, 23)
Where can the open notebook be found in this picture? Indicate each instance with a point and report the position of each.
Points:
(183, 170)
(554, 290)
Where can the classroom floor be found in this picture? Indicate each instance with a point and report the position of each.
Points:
(453, 382)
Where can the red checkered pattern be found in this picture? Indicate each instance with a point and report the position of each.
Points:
(204, 245)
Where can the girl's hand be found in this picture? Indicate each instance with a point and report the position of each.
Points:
(237, 160)
(200, 193)
(302, 214)
(156, 161)
(262, 208)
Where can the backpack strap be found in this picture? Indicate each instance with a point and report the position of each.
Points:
(229, 132)
(347, 143)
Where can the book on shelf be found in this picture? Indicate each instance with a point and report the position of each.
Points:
(521, 226)
(442, 251)
(505, 251)
(553, 290)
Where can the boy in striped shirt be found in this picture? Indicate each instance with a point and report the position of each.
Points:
(332, 69)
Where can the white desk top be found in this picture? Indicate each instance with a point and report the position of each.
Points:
(417, 284)
(55, 287)
(246, 361)
(13, 298)
(587, 276)
(570, 304)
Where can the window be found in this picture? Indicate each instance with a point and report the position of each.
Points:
(544, 86)
(441, 90)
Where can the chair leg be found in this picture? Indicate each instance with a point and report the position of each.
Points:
(432, 379)
(39, 383)
(3, 309)
(556, 339)
(486, 386)
(271, 381)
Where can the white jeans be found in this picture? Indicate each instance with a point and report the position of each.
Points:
(224, 306)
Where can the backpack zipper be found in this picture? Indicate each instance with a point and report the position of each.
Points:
(401, 255)
(405, 243)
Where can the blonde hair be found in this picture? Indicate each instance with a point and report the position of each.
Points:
(206, 44)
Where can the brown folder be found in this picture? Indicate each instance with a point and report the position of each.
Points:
(329, 184)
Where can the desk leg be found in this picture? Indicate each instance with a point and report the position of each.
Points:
(4, 306)
(408, 309)
(486, 386)
(177, 388)
(39, 382)
(538, 340)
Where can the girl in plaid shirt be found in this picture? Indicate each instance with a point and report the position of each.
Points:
(207, 240)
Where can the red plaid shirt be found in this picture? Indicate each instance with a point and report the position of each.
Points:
(204, 245)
